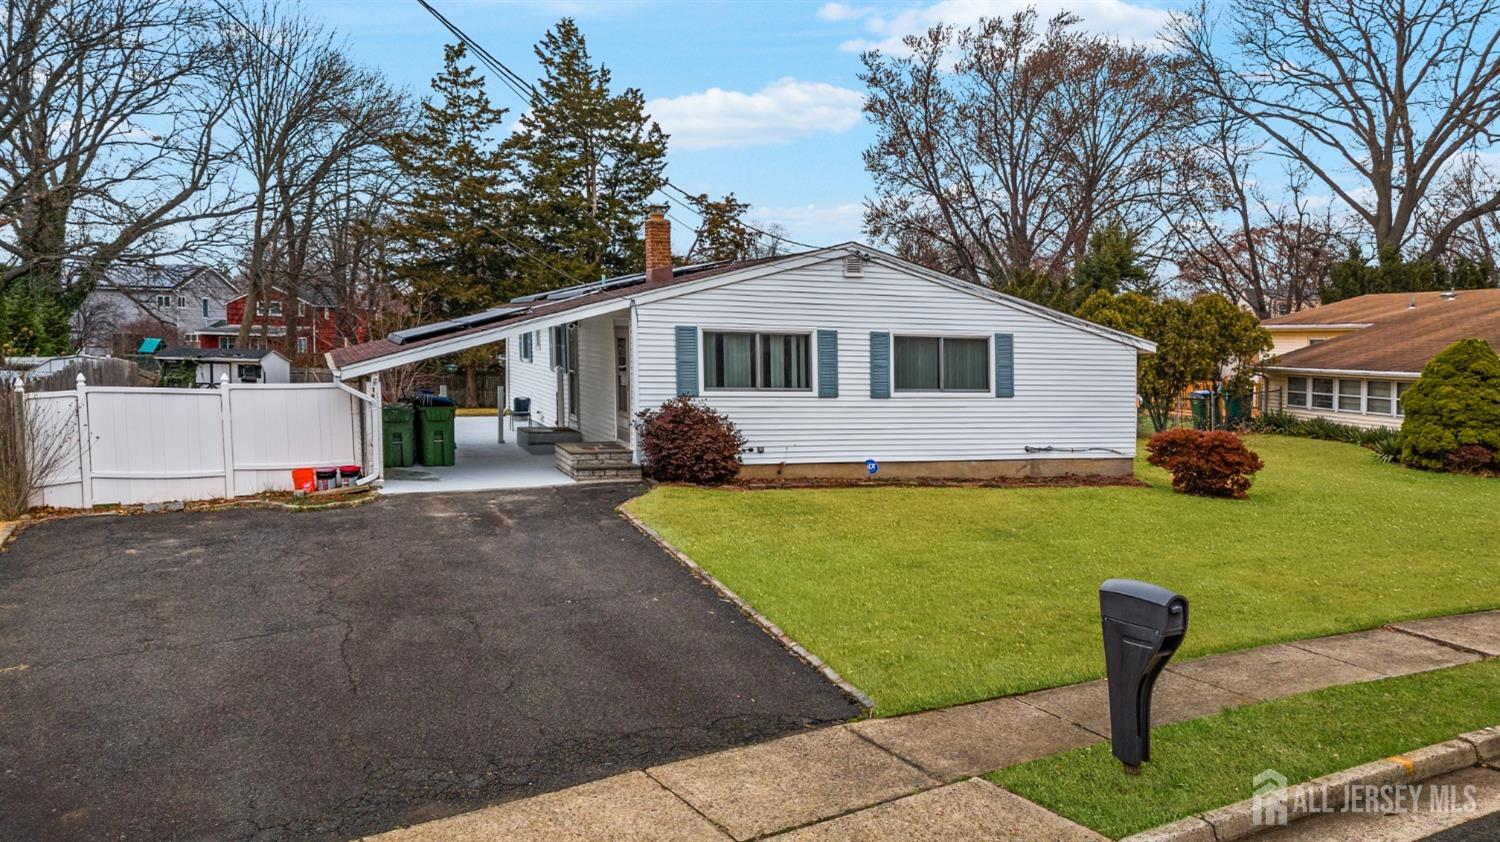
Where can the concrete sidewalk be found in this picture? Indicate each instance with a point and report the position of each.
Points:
(911, 777)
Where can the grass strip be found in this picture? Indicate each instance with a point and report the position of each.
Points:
(1207, 763)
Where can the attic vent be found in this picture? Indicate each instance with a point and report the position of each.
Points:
(854, 266)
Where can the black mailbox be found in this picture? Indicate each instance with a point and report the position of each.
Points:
(1143, 626)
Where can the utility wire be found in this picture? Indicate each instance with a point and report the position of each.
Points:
(527, 91)
(537, 259)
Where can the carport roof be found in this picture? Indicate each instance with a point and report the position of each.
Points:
(359, 357)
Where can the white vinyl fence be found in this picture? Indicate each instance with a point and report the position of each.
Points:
(130, 445)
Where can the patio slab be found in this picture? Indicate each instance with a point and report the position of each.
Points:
(971, 810)
(1480, 631)
(1176, 698)
(481, 463)
(790, 782)
(629, 806)
(1273, 671)
(973, 739)
(1388, 652)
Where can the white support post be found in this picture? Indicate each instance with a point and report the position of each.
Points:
(85, 444)
(376, 440)
(226, 426)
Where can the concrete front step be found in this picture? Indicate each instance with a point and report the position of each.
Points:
(596, 461)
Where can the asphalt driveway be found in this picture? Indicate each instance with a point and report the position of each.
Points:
(262, 675)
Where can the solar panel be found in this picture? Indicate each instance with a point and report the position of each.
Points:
(412, 334)
(493, 314)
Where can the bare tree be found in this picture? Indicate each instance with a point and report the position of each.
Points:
(1226, 235)
(38, 439)
(1373, 98)
(107, 140)
(999, 147)
(301, 108)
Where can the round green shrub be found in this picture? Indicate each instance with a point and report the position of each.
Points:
(1456, 402)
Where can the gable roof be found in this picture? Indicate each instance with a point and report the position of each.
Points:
(1392, 335)
(685, 279)
(129, 277)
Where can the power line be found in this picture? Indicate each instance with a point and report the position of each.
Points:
(356, 125)
(516, 83)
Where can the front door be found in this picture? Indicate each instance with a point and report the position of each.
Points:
(622, 384)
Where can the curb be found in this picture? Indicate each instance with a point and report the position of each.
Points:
(859, 696)
(1239, 821)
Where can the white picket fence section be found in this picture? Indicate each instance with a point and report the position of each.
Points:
(130, 445)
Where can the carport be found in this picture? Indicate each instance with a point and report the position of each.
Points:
(592, 325)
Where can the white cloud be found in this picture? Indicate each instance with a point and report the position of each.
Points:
(780, 112)
(815, 224)
(1115, 18)
(843, 11)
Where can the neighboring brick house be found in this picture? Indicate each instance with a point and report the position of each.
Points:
(313, 319)
(131, 303)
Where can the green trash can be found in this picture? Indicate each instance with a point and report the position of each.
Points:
(1202, 402)
(1237, 410)
(400, 435)
(435, 434)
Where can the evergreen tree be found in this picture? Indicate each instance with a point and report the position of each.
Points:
(722, 234)
(1113, 264)
(1355, 276)
(589, 161)
(449, 240)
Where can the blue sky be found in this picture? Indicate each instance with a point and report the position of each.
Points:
(761, 98)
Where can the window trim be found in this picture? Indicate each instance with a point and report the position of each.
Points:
(755, 352)
(989, 367)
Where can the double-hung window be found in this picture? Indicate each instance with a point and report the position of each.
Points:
(1400, 393)
(775, 361)
(941, 364)
(1322, 393)
(1296, 391)
(1378, 397)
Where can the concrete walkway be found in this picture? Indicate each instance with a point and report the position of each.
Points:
(911, 777)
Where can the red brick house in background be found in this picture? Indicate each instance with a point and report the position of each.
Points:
(314, 321)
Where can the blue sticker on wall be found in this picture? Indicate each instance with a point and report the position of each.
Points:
(872, 466)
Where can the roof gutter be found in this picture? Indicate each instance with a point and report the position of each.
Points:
(1332, 326)
(1348, 371)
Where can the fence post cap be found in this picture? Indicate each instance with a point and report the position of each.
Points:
(224, 380)
(20, 385)
(81, 380)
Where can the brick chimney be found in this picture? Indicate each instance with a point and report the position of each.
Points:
(658, 244)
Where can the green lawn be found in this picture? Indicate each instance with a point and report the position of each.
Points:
(1207, 763)
(925, 597)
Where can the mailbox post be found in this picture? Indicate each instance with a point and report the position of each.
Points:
(1143, 626)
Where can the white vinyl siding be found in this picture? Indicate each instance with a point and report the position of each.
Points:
(532, 378)
(1073, 388)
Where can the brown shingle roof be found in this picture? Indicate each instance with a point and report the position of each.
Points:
(1400, 337)
(374, 349)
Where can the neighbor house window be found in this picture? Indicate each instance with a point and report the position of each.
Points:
(1296, 391)
(941, 363)
(205, 307)
(1322, 393)
(226, 342)
(301, 309)
(276, 308)
(756, 360)
(1351, 393)
(1378, 397)
(1400, 393)
(164, 301)
(302, 344)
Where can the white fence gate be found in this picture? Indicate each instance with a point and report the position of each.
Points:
(130, 445)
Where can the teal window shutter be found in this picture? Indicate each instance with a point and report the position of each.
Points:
(1005, 365)
(687, 360)
(880, 364)
(828, 363)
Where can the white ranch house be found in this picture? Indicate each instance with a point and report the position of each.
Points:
(824, 360)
